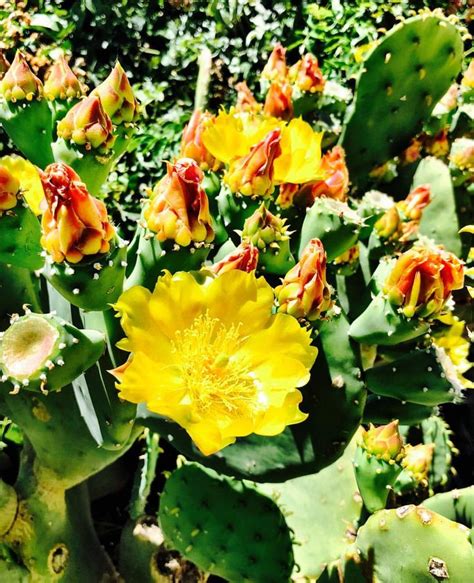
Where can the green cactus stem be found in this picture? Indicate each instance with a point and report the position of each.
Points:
(20, 234)
(384, 409)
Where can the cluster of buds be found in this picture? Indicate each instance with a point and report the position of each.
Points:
(62, 83)
(75, 225)
(422, 279)
(179, 207)
(9, 190)
(417, 461)
(383, 442)
(19, 82)
(264, 229)
(252, 175)
(304, 292)
(243, 258)
(117, 98)
(192, 145)
(88, 125)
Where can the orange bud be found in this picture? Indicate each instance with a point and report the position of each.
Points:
(192, 145)
(117, 97)
(276, 65)
(307, 75)
(9, 189)
(252, 175)
(179, 207)
(245, 99)
(418, 460)
(422, 280)
(278, 101)
(304, 292)
(384, 442)
(244, 258)
(336, 183)
(412, 207)
(75, 225)
(20, 82)
(62, 83)
(87, 125)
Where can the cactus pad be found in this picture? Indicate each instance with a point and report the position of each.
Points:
(225, 526)
(403, 78)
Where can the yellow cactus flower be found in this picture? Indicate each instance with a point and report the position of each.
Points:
(9, 190)
(300, 160)
(213, 357)
(233, 134)
(28, 176)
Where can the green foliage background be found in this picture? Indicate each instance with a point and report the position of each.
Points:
(159, 41)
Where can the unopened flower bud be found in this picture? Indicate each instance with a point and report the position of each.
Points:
(117, 97)
(179, 207)
(437, 145)
(9, 189)
(19, 82)
(307, 75)
(336, 183)
(278, 102)
(422, 279)
(62, 83)
(304, 292)
(4, 64)
(275, 67)
(384, 442)
(75, 225)
(418, 460)
(243, 258)
(264, 229)
(462, 155)
(252, 175)
(389, 226)
(192, 145)
(412, 207)
(88, 125)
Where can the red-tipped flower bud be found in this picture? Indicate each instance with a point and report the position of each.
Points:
(384, 442)
(245, 99)
(243, 258)
(307, 75)
(75, 225)
(88, 125)
(117, 97)
(275, 67)
(62, 83)
(252, 175)
(20, 82)
(336, 183)
(278, 102)
(422, 280)
(179, 207)
(192, 145)
(304, 292)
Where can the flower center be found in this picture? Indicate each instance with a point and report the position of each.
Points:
(215, 378)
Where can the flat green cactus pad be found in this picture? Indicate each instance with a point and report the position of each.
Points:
(403, 78)
(225, 526)
(415, 545)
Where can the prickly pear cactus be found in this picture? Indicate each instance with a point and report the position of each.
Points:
(401, 93)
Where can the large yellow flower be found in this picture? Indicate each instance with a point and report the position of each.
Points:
(211, 356)
(28, 177)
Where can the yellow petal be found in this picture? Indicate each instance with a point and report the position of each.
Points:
(277, 418)
(301, 154)
(237, 297)
(28, 176)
